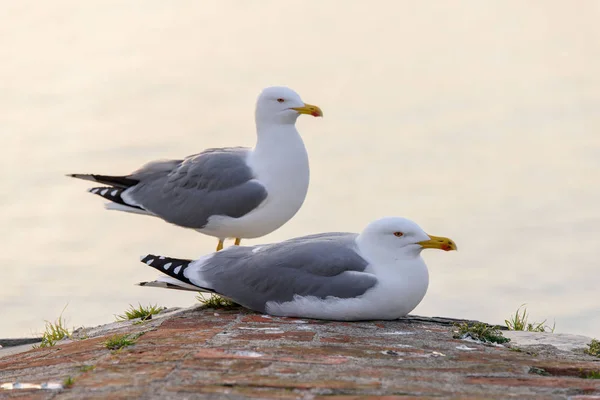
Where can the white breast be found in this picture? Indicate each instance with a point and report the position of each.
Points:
(280, 164)
(394, 296)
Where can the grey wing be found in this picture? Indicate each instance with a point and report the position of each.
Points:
(187, 192)
(155, 169)
(318, 265)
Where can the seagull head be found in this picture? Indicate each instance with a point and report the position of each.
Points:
(399, 238)
(281, 105)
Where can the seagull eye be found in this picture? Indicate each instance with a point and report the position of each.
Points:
(280, 100)
(398, 234)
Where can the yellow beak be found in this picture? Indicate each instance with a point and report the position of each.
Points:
(438, 242)
(309, 109)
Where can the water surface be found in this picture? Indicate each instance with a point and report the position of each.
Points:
(479, 120)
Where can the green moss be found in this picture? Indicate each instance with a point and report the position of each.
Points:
(141, 312)
(118, 342)
(216, 301)
(593, 348)
(480, 331)
(518, 322)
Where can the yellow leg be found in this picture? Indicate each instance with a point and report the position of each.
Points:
(220, 245)
(237, 241)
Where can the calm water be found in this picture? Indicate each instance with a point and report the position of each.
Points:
(480, 121)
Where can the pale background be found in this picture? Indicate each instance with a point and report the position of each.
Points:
(478, 119)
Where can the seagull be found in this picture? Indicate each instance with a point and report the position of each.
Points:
(377, 274)
(232, 192)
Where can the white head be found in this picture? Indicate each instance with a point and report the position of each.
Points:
(281, 105)
(392, 238)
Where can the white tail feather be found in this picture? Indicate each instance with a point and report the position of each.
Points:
(167, 282)
(121, 207)
(173, 281)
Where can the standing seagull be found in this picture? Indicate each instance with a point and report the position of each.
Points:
(233, 192)
(377, 274)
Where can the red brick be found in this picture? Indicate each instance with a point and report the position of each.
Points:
(364, 352)
(272, 320)
(206, 322)
(543, 381)
(339, 339)
(76, 352)
(148, 353)
(389, 340)
(346, 397)
(236, 365)
(250, 326)
(178, 336)
(134, 370)
(122, 394)
(296, 336)
(495, 355)
(236, 391)
(206, 364)
(253, 380)
(26, 394)
(580, 370)
(218, 353)
(286, 369)
(106, 377)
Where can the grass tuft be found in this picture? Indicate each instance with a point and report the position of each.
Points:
(592, 375)
(118, 342)
(143, 313)
(86, 368)
(480, 331)
(68, 382)
(518, 322)
(593, 348)
(216, 301)
(54, 332)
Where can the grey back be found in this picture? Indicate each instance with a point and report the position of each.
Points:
(318, 265)
(187, 192)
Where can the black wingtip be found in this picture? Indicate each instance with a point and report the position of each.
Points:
(113, 194)
(174, 267)
(148, 257)
(122, 182)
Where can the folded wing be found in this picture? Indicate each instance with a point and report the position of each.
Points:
(319, 265)
(188, 192)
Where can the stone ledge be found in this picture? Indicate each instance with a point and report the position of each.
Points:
(204, 353)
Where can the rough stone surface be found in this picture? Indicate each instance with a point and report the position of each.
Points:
(235, 354)
(562, 341)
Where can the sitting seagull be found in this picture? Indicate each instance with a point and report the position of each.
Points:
(377, 274)
(228, 192)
